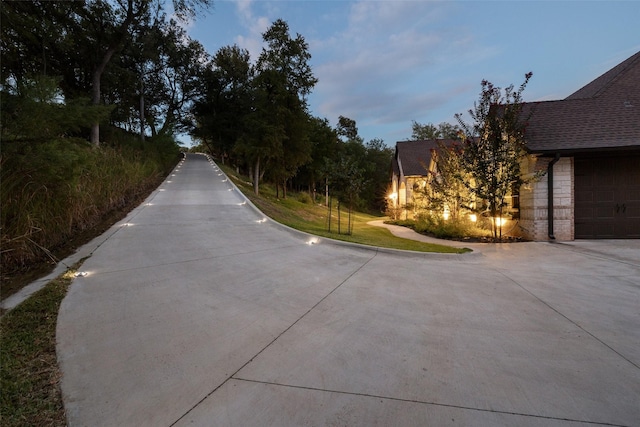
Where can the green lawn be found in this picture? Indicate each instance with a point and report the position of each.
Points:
(312, 218)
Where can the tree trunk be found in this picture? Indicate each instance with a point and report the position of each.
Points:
(141, 109)
(97, 73)
(329, 216)
(256, 176)
(326, 191)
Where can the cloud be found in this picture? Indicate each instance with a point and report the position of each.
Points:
(254, 25)
(382, 59)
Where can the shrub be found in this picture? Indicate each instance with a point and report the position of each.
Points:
(51, 190)
(437, 226)
(304, 198)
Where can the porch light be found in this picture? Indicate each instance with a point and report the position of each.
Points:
(446, 214)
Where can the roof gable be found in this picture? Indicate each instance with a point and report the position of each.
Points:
(604, 114)
(414, 157)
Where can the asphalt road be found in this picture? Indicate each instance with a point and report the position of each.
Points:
(197, 311)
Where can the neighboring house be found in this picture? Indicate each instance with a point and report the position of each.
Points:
(589, 146)
(411, 165)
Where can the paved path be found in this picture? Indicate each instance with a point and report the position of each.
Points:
(198, 312)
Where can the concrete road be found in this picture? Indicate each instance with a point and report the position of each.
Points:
(196, 311)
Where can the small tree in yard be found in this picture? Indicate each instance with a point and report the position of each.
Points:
(448, 182)
(493, 147)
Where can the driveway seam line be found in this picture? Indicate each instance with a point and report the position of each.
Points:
(423, 402)
(275, 339)
(570, 320)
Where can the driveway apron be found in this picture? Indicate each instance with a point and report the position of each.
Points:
(199, 311)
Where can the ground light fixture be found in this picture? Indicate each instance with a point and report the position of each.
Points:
(80, 274)
(312, 241)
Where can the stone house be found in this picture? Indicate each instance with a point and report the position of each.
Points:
(411, 164)
(588, 145)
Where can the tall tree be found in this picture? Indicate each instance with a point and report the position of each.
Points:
(225, 101)
(430, 131)
(494, 147)
(283, 81)
(124, 17)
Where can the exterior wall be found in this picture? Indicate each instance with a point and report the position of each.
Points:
(533, 202)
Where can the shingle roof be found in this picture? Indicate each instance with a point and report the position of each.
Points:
(413, 157)
(603, 115)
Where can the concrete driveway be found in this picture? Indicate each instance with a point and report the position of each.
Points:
(196, 311)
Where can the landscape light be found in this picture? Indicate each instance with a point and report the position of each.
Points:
(473, 217)
(446, 213)
(312, 241)
(80, 274)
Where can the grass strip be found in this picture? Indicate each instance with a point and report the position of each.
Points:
(30, 377)
(313, 218)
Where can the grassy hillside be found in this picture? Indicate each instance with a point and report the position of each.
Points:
(59, 193)
(299, 212)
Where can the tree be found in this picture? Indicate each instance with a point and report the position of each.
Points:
(283, 80)
(225, 101)
(429, 131)
(116, 29)
(494, 147)
(447, 183)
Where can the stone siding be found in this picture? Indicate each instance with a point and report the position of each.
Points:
(533, 202)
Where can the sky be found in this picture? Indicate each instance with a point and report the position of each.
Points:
(387, 63)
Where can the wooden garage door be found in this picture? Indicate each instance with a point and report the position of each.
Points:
(607, 197)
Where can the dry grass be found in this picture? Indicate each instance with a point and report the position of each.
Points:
(30, 376)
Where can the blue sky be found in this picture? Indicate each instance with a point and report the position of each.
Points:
(386, 63)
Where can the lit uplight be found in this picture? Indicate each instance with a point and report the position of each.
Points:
(231, 189)
(148, 204)
(260, 221)
(173, 174)
(169, 181)
(446, 214)
(500, 221)
(225, 180)
(473, 217)
(127, 224)
(393, 196)
(312, 241)
(80, 274)
(162, 189)
(243, 203)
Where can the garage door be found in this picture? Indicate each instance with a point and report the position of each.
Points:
(607, 197)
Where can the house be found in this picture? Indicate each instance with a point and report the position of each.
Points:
(588, 145)
(410, 166)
